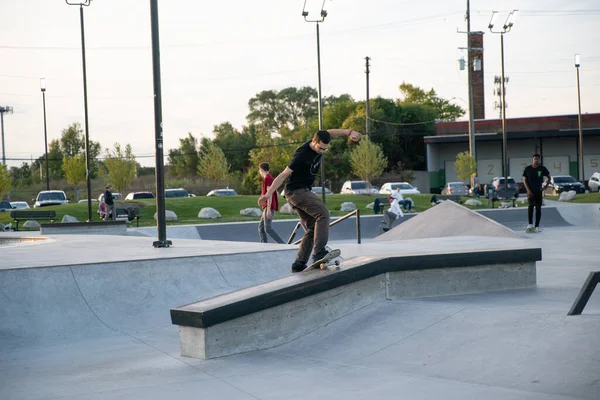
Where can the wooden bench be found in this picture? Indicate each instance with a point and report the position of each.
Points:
(436, 198)
(378, 205)
(31, 215)
(502, 195)
(130, 212)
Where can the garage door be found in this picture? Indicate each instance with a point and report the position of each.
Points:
(557, 165)
(450, 172)
(488, 169)
(516, 167)
(590, 164)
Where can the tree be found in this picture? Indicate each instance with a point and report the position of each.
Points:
(120, 167)
(443, 108)
(5, 181)
(183, 161)
(74, 169)
(367, 160)
(236, 145)
(465, 166)
(213, 164)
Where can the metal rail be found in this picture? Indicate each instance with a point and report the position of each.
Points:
(337, 221)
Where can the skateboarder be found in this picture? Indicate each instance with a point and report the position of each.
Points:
(265, 225)
(313, 213)
(533, 178)
(392, 214)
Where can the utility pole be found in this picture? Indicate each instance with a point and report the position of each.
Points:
(3, 110)
(470, 79)
(367, 105)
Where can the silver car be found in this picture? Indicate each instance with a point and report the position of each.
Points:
(455, 188)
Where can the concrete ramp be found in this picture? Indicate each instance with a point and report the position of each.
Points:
(585, 215)
(447, 219)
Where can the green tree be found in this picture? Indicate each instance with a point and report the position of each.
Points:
(120, 167)
(74, 169)
(183, 161)
(236, 145)
(5, 181)
(367, 160)
(213, 164)
(465, 166)
(445, 110)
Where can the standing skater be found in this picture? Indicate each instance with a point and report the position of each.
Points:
(533, 178)
(265, 225)
(313, 213)
(392, 214)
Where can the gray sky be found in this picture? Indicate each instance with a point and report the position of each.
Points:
(216, 55)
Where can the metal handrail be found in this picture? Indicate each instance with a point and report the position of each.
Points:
(337, 221)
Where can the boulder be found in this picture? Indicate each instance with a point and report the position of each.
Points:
(169, 216)
(567, 196)
(251, 212)
(33, 225)
(370, 206)
(69, 218)
(209, 213)
(286, 209)
(348, 206)
(473, 202)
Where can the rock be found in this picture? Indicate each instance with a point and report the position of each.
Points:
(33, 225)
(567, 196)
(370, 206)
(169, 216)
(251, 212)
(348, 206)
(2, 227)
(209, 213)
(69, 218)
(286, 209)
(473, 202)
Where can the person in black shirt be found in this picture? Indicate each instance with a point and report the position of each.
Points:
(533, 178)
(313, 213)
(110, 203)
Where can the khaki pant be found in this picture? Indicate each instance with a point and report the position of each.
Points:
(315, 217)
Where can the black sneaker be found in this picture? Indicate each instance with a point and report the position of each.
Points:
(320, 255)
(298, 266)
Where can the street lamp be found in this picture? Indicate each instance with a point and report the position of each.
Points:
(322, 14)
(510, 21)
(4, 110)
(86, 3)
(43, 89)
(577, 65)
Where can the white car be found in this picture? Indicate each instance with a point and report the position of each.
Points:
(222, 192)
(50, 198)
(19, 205)
(357, 187)
(116, 196)
(405, 188)
(593, 183)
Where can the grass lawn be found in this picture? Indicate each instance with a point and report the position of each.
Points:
(187, 209)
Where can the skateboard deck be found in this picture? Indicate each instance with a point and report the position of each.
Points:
(326, 261)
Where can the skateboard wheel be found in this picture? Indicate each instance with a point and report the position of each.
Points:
(322, 265)
(337, 263)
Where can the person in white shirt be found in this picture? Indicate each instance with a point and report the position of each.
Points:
(391, 214)
(406, 204)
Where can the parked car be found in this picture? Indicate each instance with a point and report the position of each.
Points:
(565, 183)
(19, 205)
(498, 183)
(319, 190)
(5, 206)
(357, 187)
(116, 196)
(176, 193)
(594, 182)
(405, 188)
(50, 198)
(222, 192)
(455, 188)
(139, 195)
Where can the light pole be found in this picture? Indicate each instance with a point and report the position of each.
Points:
(86, 3)
(43, 89)
(510, 21)
(322, 14)
(4, 110)
(577, 65)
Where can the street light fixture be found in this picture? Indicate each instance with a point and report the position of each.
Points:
(322, 14)
(508, 24)
(577, 65)
(43, 89)
(81, 4)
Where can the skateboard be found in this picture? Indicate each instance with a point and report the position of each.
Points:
(326, 261)
(530, 230)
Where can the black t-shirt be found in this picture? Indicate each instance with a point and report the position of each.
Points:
(108, 198)
(305, 166)
(535, 177)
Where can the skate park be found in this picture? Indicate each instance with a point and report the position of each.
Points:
(88, 316)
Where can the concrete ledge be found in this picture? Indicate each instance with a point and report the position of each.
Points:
(93, 228)
(278, 311)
